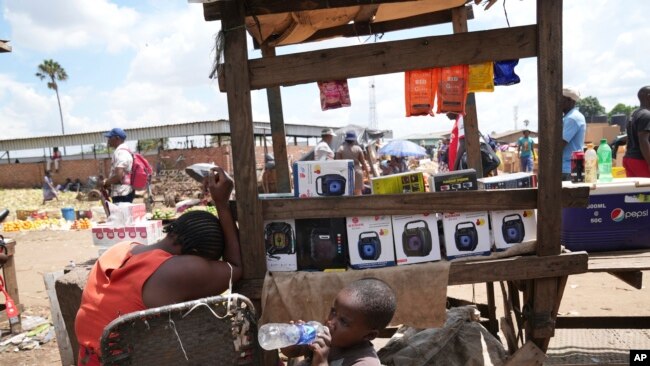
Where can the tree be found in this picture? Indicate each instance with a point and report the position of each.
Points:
(590, 107)
(621, 108)
(53, 71)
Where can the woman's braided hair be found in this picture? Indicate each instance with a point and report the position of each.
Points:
(198, 233)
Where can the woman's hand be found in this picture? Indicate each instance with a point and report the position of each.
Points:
(219, 184)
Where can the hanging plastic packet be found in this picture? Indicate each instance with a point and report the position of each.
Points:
(504, 72)
(452, 89)
(481, 78)
(420, 91)
(334, 94)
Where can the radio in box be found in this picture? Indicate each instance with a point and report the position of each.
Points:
(458, 180)
(323, 178)
(280, 245)
(466, 234)
(370, 241)
(399, 183)
(416, 238)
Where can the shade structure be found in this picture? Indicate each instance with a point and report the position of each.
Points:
(402, 148)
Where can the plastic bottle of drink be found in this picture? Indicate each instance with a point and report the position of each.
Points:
(279, 335)
(591, 164)
(604, 162)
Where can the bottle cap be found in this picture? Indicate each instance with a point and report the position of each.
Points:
(590, 146)
(603, 141)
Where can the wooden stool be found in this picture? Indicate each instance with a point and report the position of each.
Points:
(11, 282)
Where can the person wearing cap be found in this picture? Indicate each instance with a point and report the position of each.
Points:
(350, 150)
(573, 129)
(637, 154)
(323, 150)
(526, 152)
(119, 180)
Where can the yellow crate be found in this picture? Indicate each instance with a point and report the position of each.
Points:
(24, 214)
(618, 172)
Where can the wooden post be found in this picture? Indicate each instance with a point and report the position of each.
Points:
(470, 120)
(249, 210)
(549, 85)
(62, 339)
(274, 98)
(11, 281)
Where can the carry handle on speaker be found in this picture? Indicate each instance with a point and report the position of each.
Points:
(368, 234)
(516, 216)
(319, 184)
(471, 224)
(406, 226)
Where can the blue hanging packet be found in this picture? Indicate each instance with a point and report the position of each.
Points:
(504, 72)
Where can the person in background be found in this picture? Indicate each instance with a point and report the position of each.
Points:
(350, 150)
(443, 156)
(637, 154)
(360, 311)
(54, 158)
(573, 129)
(49, 191)
(65, 186)
(119, 180)
(183, 266)
(269, 175)
(323, 150)
(526, 152)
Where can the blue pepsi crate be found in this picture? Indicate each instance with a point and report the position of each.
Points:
(617, 218)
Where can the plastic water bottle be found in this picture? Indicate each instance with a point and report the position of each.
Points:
(604, 162)
(591, 164)
(279, 335)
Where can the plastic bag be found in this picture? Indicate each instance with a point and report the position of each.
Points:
(504, 72)
(452, 89)
(481, 78)
(420, 92)
(334, 94)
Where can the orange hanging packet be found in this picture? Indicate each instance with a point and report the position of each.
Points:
(420, 91)
(452, 89)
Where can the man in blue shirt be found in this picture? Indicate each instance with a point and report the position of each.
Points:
(526, 152)
(573, 129)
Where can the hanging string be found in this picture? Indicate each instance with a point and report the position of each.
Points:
(173, 326)
(505, 11)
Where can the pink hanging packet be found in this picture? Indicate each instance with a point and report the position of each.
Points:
(334, 94)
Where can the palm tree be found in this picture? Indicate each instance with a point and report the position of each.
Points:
(53, 71)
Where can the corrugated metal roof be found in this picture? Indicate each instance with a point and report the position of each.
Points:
(220, 127)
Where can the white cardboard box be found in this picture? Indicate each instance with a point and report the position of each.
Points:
(146, 232)
(513, 227)
(416, 238)
(330, 178)
(466, 234)
(280, 244)
(370, 241)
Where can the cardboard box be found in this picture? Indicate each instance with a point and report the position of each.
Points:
(370, 241)
(323, 178)
(280, 244)
(597, 131)
(146, 232)
(507, 181)
(416, 238)
(510, 228)
(458, 180)
(466, 234)
(410, 182)
(321, 244)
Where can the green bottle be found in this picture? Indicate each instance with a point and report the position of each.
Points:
(604, 162)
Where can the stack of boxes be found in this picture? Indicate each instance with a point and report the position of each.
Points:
(129, 224)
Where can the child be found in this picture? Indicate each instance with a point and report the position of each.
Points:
(359, 312)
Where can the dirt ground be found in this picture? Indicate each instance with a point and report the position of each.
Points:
(46, 251)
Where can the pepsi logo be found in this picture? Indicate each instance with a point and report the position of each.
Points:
(617, 215)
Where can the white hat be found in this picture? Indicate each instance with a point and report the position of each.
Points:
(571, 93)
(327, 131)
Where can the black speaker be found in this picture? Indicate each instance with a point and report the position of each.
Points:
(279, 238)
(466, 236)
(416, 241)
(323, 247)
(330, 185)
(512, 229)
(369, 246)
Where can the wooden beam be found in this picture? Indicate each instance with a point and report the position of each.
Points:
(278, 135)
(395, 56)
(62, 339)
(241, 129)
(632, 278)
(470, 120)
(633, 260)
(211, 11)
(399, 204)
(527, 355)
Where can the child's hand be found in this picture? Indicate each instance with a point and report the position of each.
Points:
(295, 351)
(321, 348)
(219, 184)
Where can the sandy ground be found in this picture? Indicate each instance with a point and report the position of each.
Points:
(46, 251)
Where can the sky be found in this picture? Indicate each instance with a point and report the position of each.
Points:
(146, 63)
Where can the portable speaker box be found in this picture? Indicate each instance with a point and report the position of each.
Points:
(321, 244)
(416, 238)
(330, 178)
(513, 227)
(508, 181)
(466, 234)
(457, 180)
(412, 182)
(370, 241)
(280, 244)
